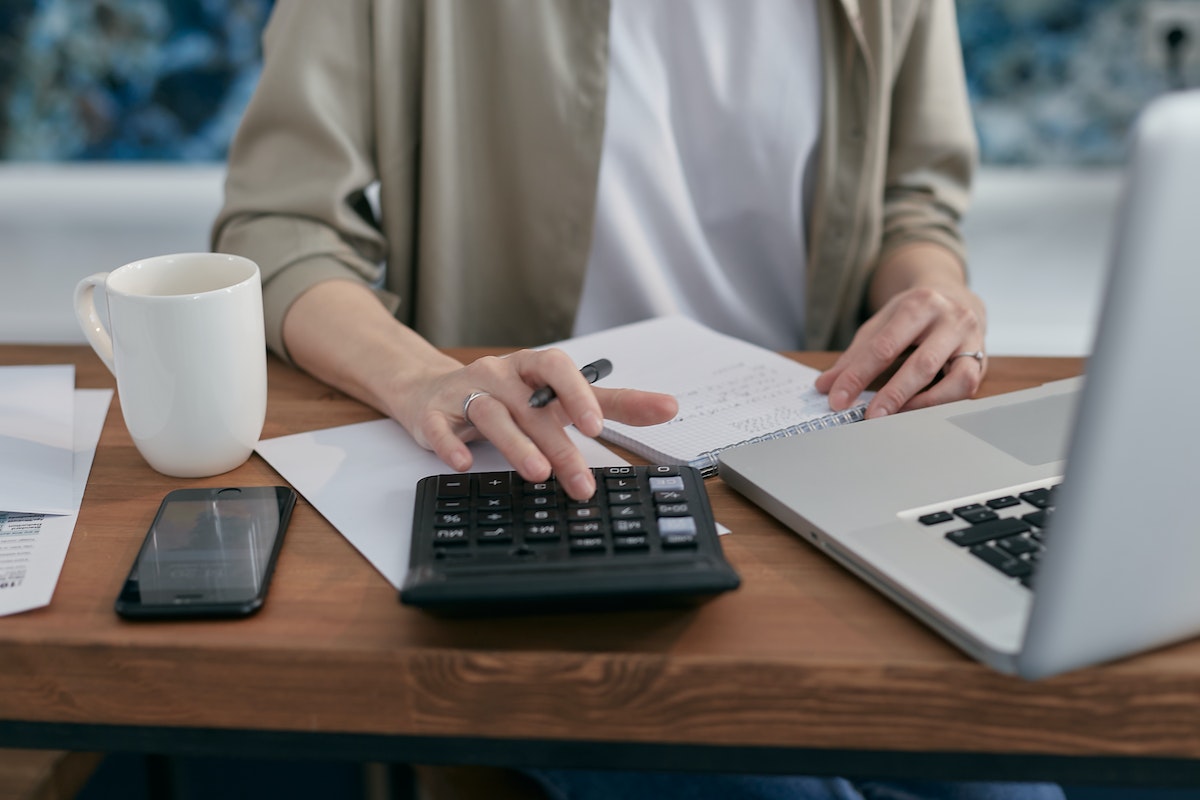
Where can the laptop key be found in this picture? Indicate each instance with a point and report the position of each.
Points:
(1037, 519)
(986, 531)
(1009, 565)
(1039, 498)
(1018, 545)
(975, 513)
(1007, 501)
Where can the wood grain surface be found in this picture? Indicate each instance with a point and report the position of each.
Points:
(803, 655)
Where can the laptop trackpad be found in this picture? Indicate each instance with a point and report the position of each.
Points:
(1034, 431)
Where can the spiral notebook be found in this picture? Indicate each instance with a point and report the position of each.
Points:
(730, 392)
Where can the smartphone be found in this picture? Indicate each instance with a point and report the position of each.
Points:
(208, 553)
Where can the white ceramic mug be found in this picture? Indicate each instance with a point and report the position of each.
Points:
(184, 340)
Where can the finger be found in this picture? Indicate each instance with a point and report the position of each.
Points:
(961, 379)
(873, 351)
(533, 439)
(636, 407)
(919, 370)
(446, 442)
(858, 369)
(575, 399)
(493, 421)
(568, 464)
(929, 365)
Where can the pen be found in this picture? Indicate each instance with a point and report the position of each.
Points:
(591, 372)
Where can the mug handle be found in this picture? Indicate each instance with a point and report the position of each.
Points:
(89, 318)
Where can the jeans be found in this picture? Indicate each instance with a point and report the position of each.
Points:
(605, 785)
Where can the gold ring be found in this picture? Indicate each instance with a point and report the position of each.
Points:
(466, 408)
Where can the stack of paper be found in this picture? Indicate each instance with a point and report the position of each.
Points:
(48, 436)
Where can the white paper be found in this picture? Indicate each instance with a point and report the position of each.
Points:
(363, 479)
(730, 391)
(33, 546)
(37, 439)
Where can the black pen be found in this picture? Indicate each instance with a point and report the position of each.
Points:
(591, 373)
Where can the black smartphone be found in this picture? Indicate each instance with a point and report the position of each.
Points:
(208, 553)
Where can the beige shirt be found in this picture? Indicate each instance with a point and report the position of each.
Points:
(482, 123)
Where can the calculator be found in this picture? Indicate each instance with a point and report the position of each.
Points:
(493, 541)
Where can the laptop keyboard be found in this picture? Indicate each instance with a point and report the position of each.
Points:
(1007, 531)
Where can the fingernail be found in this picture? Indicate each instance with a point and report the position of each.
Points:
(877, 413)
(839, 399)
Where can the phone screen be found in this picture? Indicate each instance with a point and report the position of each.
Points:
(209, 552)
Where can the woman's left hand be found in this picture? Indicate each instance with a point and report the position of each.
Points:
(935, 317)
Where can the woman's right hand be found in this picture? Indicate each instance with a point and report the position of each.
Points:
(532, 439)
(340, 333)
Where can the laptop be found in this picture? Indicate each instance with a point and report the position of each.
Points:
(1100, 473)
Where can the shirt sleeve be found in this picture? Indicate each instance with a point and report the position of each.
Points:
(301, 161)
(933, 150)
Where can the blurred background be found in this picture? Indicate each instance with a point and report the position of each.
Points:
(1053, 82)
(117, 115)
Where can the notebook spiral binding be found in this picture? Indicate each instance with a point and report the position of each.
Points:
(709, 462)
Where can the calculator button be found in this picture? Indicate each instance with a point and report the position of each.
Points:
(677, 525)
(628, 525)
(662, 470)
(546, 487)
(495, 518)
(593, 528)
(588, 544)
(453, 504)
(619, 472)
(679, 540)
(450, 536)
(500, 534)
(454, 485)
(667, 484)
(583, 512)
(624, 498)
(672, 510)
(625, 512)
(494, 483)
(628, 542)
(450, 519)
(670, 496)
(542, 515)
(542, 532)
(493, 503)
(620, 484)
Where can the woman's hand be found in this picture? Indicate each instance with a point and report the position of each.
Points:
(533, 440)
(924, 307)
(341, 334)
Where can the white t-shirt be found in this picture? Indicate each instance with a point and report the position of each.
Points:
(713, 120)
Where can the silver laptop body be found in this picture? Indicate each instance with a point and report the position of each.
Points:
(1120, 570)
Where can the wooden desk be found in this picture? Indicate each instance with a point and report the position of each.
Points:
(802, 669)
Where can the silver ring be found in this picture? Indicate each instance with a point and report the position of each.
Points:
(978, 355)
(472, 397)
